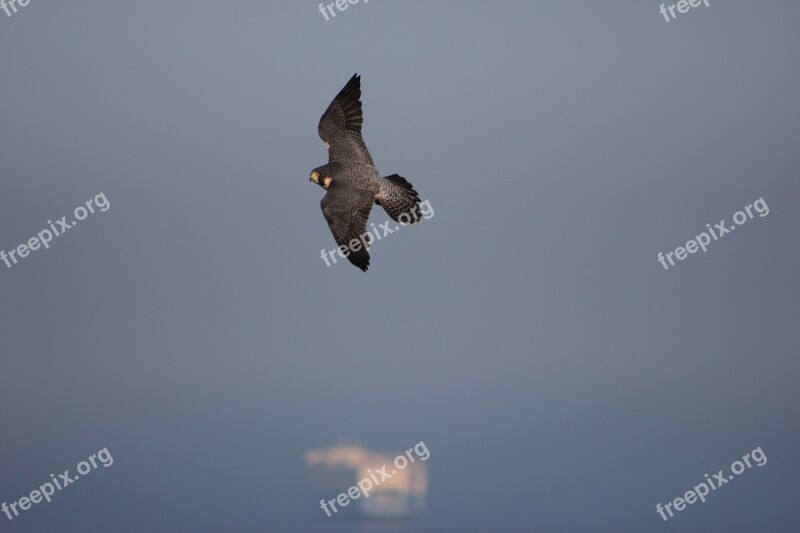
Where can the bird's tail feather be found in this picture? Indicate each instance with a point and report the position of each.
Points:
(398, 197)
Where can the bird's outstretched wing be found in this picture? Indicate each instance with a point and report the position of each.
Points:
(340, 125)
(347, 212)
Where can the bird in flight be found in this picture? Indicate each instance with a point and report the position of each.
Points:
(351, 180)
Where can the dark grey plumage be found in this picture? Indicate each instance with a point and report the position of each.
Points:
(351, 179)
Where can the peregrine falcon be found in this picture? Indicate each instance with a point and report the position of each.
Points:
(352, 181)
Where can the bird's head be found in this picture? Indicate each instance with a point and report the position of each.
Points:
(321, 178)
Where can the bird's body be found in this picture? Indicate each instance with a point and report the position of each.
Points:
(351, 180)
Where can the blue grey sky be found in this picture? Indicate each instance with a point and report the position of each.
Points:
(561, 378)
